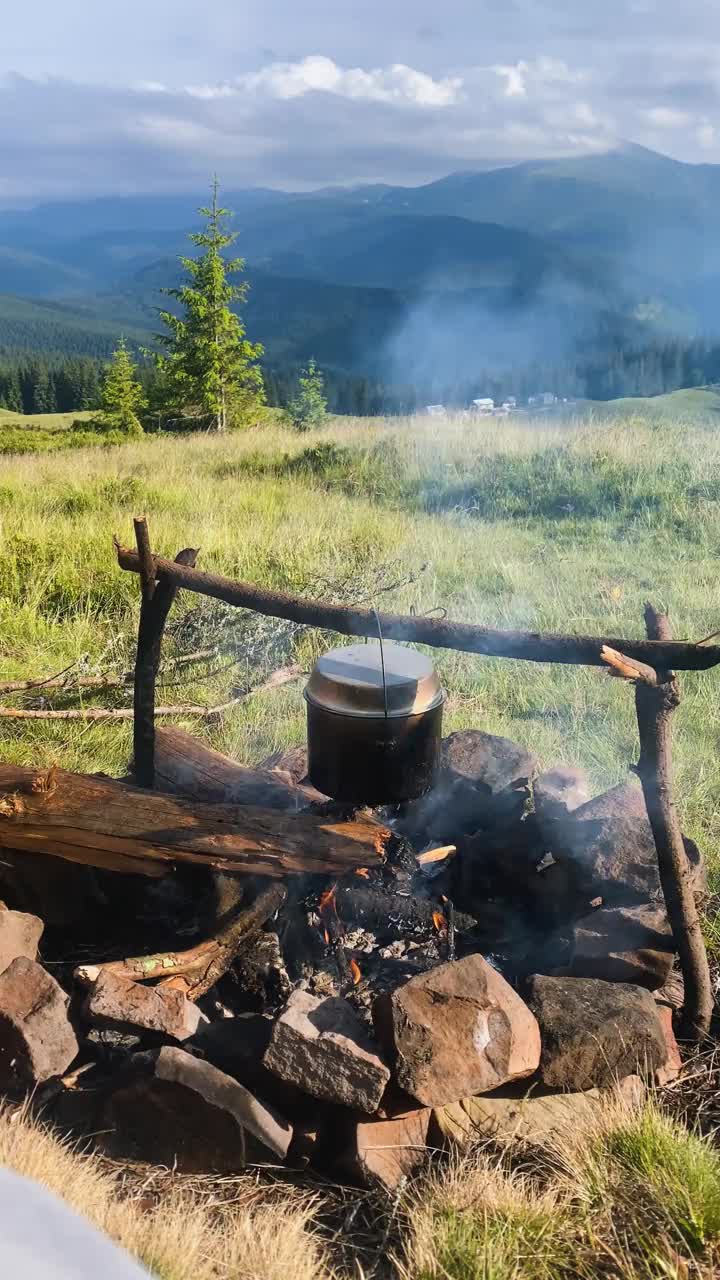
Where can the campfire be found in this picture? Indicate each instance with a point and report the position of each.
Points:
(344, 959)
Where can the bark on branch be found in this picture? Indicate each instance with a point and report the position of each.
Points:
(437, 632)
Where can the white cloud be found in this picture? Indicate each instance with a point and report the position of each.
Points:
(667, 117)
(317, 74)
(522, 78)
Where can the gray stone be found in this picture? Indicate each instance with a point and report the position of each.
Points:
(180, 1111)
(457, 1030)
(37, 1040)
(322, 1047)
(623, 944)
(119, 1004)
(594, 1032)
(558, 792)
(20, 935)
(515, 1115)
(610, 842)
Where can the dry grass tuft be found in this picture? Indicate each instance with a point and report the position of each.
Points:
(191, 1231)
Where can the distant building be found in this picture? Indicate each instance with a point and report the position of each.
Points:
(435, 410)
(483, 405)
(543, 400)
(510, 404)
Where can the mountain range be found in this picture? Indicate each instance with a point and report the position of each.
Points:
(522, 261)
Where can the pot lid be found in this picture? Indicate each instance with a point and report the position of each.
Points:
(349, 681)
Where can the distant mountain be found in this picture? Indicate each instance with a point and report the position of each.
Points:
(532, 260)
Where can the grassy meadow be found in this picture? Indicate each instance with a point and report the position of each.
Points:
(560, 526)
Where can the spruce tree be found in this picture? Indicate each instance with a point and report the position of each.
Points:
(122, 395)
(208, 361)
(309, 407)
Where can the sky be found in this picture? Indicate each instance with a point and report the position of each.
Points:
(154, 95)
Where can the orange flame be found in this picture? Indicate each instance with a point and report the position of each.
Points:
(327, 899)
(439, 921)
(355, 971)
(363, 871)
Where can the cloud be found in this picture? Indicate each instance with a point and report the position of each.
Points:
(396, 84)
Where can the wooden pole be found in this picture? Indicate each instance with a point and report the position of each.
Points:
(655, 705)
(657, 695)
(155, 606)
(533, 646)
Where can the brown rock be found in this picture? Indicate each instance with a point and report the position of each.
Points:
(386, 1151)
(623, 944)
(610, 841)
(595, 1032)
(673, 1062)
(322, 1047)
(514, 1115)
(20, 935)
(37, 1040)
(558, 792)
(180, 1111)
(458, 1030)
(122, 1005)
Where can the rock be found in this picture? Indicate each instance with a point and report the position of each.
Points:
(322, 1047)
(483, 782)
(623, 944)
(122, 1005)
(673, 1062)
(20, 935)
(386, 1151)
(595, 1032)
(559, 792)
(177, 1110)
(37, 1040)
(457, 1030)
(610, 842)
(237, 1046)
(514, 1115)
(672, 992)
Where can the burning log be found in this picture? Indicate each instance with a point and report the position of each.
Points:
(196, 970)
(111, 825)
(186, 767)
(395, 914)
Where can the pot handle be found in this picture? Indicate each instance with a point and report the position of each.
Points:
(382, 660)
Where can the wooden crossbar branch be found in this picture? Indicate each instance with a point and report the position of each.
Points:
(440, 633)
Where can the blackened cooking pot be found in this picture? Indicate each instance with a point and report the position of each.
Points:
(374, 714)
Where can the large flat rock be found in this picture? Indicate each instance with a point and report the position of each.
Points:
(37, 1040)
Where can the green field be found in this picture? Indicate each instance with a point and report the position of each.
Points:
(566, 526)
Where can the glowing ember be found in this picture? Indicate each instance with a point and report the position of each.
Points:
(362, 871)
(355, 971)
(436, 855)
(439, 921)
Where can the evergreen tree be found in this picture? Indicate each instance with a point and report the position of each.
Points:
(122, 395)
(209, 362)
(309, 407)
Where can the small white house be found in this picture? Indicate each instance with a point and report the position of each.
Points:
(483, 405)
(510, 404)
(435, 410)
(544, 400)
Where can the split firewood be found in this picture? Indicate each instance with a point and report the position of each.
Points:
(186, 766)
(436, 855)
(196, 970)
(628, 668)
(111, 825)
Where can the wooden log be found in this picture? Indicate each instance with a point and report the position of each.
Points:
(109, 824)
(201, 966)
(533, 646)
(186, 766)
(67, 682)
(155, 606)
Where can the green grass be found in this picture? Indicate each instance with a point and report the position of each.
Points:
(696, 404)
